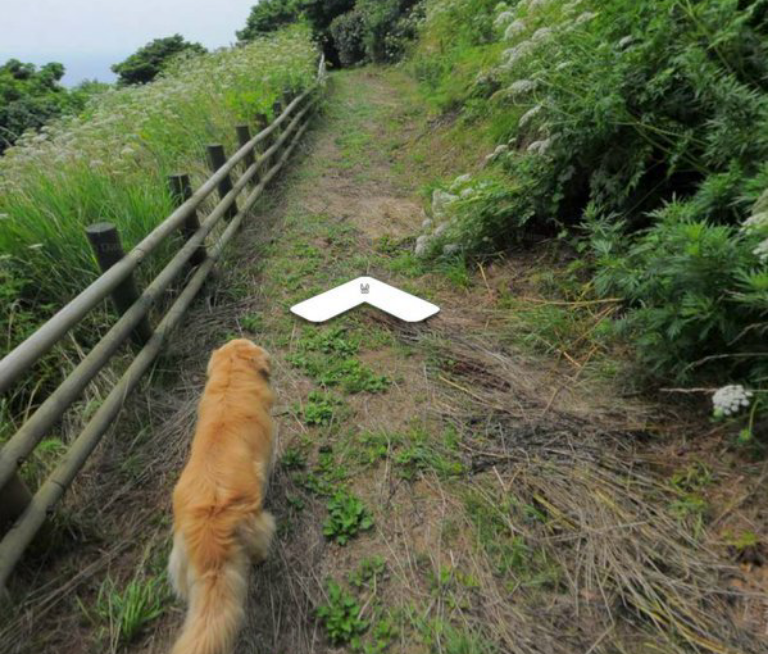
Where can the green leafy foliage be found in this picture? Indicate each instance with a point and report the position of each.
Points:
(368, 572)
(340, 616)
(350, 31)
(347, 516)
(149, 61)
(31, 97)
(269, 16)
(641, 125)
(327, 357)
(320, 408)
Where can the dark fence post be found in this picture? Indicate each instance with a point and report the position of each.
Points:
(277, 109)
(243, 137)
(14, 498)
(106, 245)
(181, 191)
(216, 159)
(262, 122)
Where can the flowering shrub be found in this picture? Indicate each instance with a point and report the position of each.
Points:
(111, 163)
(640, 128)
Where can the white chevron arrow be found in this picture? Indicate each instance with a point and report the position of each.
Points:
(365, 290)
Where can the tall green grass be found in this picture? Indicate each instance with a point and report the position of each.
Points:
(111, 163)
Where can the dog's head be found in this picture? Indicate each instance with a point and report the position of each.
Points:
(241, 349)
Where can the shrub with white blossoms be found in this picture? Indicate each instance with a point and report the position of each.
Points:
(514, 29)
(522, 87)
(504, 18)
(730, 400)
(530, 115)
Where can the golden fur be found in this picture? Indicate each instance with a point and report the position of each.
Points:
(219, 523)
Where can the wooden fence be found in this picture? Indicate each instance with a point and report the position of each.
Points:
(261, 157)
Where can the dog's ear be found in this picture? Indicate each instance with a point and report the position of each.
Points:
(263, 364)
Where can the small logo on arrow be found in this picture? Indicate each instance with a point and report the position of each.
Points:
(387, 298)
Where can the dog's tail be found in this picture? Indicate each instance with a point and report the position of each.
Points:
(216, 609)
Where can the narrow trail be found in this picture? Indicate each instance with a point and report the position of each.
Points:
(484, 500)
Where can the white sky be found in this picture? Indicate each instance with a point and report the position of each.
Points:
(87, 36)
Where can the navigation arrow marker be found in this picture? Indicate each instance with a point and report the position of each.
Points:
(365, 290)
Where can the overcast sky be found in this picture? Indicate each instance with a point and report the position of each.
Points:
(87, 36)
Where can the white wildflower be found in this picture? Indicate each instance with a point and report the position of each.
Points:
(460, 181)
(521, 50)
(730, 400)
(441, 228)
(441, 200)
(540, 147)
(426, 224)
(522, 87)
(626, 42)
(422, 245)
(585, 17)
(761, 251)
(451, 248)
(514, 29)
(542, 34)
(467, 192)
(762, 203)
(756, 223)
(529, 115)
(503, 18)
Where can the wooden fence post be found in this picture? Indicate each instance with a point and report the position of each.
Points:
(181, 191)
(262, 122)
(216, 159)
(106, 245)
(243, 137)
(277, 109)
(14, 498)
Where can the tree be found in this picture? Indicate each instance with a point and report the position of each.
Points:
(30, 97)
(148, 61)
(268, 16)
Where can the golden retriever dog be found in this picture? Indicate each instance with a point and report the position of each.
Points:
(219, 521)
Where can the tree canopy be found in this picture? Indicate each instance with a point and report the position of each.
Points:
(30, 97)
(148, 61)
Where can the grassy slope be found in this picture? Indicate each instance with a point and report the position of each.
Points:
(514, 506)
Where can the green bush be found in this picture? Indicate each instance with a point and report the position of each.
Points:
(646, 124)
(148, 61)
(31, 97)
(348, 31)
(269, 16)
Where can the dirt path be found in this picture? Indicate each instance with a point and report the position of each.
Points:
(439, 489)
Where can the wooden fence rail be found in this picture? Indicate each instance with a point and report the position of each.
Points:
(262, 156)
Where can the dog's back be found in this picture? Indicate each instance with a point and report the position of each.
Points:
(219, 523)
